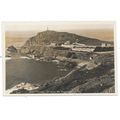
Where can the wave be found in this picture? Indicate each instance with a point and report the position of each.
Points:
(24, 57)
(23, 85)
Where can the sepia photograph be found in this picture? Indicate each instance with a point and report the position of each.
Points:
(59, 58)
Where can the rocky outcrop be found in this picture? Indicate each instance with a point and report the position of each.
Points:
(11, 49)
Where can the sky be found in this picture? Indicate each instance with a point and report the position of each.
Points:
(57, 25)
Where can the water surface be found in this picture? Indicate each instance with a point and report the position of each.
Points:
(31, 71)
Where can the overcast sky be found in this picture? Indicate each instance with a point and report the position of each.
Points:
(55, 25)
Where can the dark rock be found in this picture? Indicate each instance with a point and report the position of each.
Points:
(12, 49)
(102, 49)
(20, 91)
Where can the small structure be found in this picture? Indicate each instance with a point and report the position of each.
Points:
(106, 45)
(53, 44)
(103, 45)
(67, 43)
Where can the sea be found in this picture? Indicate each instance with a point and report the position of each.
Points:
(31, 71)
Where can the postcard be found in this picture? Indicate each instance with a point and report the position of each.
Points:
(59, 58)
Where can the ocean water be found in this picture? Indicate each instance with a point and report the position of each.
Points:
(31, 71)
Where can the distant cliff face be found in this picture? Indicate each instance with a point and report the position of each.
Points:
(37, 43)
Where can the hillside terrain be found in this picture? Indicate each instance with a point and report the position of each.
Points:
(39, 45)
(61, 37)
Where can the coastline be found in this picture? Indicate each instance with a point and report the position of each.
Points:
(73, 82)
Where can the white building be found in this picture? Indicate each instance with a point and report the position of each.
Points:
(52, 44)
(87, 49)
(67, 43)
(105, 45)
(67, 46)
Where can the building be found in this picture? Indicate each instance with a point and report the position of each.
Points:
(53, 44)
(106, 45)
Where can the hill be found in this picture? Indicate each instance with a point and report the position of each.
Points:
(61, 37)
(37, 44)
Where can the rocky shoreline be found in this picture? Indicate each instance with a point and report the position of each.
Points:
(87, 78)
